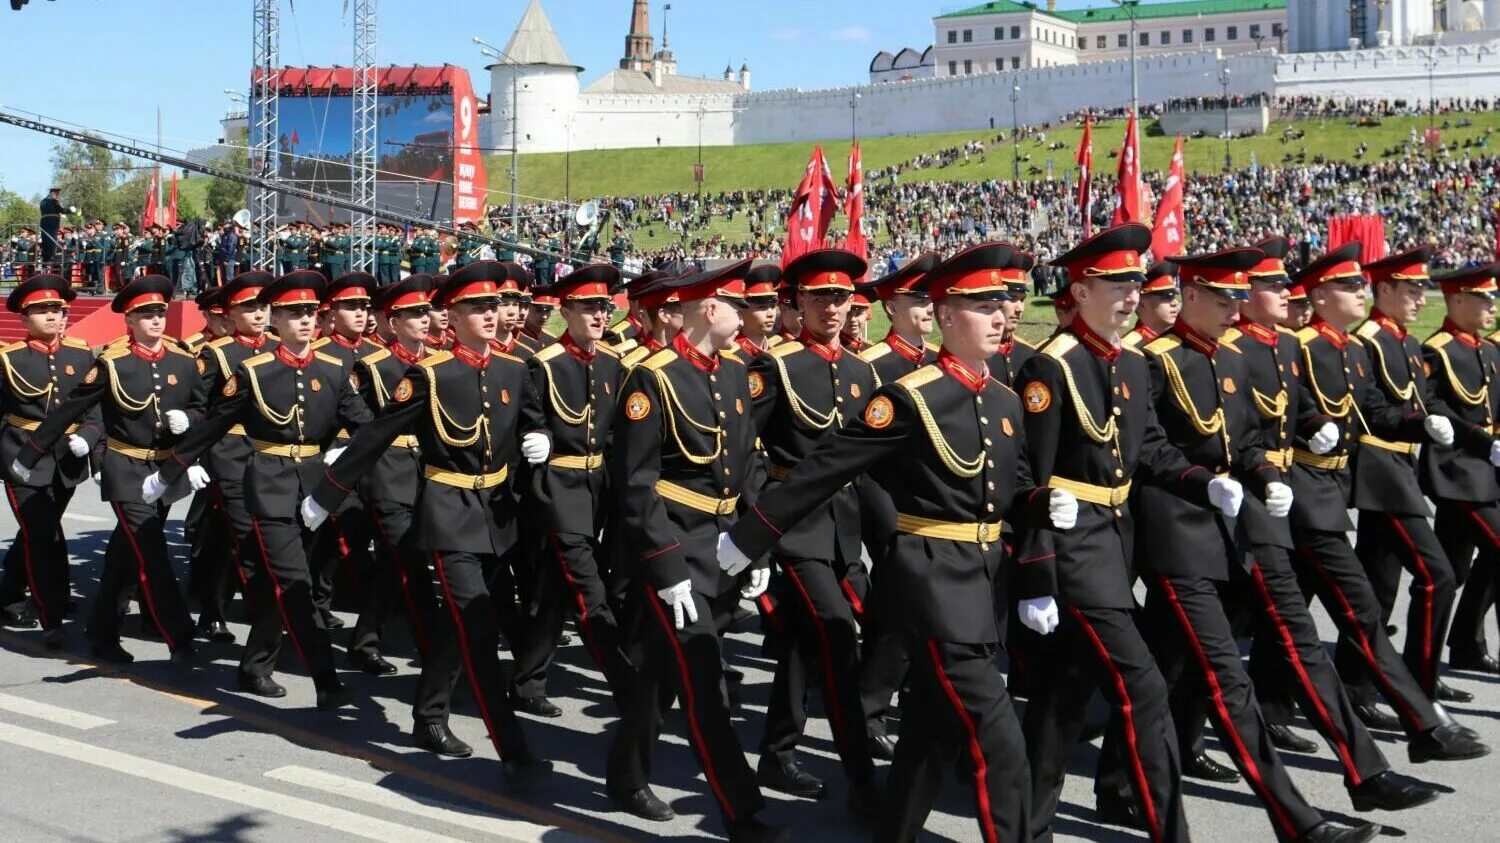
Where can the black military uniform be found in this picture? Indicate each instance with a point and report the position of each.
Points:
(38, 376)
(1014, 352)
(803, 391)
(201, 527)
(290, 408)
(948, 443)
(139, 391)
(760, 291)
(469, 411)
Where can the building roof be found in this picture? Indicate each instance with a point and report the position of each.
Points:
(535, 42)
(1106, 14)
(639, 82)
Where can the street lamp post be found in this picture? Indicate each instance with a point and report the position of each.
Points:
(1224, 85)
(1129, 6)
(853, 126)
(1015, 133)
(501, 56)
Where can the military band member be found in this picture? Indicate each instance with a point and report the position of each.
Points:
(143, 388)
(475, 415)
(25, 252)
(294, 245)
(1014, 351)
(469, 247)
(40, 372)
(336, 244)
(388, 247)
(1161, 301)
(758, 318)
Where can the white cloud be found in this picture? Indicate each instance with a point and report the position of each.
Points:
(852, 33)
(787, 34)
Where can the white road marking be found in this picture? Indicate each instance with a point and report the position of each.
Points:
(92, 519)
(226, 790)
(428, 809)
(52, 713)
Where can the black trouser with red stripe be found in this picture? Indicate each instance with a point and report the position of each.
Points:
(466, 640)
(1189, 613)
(883, 658)
(1464, 528)
(821, 618)
(1101, 648)
(398, 579)
(136, 558)
(216, 565)
(958, 716)
(689, 662)
(281, 600)
(342, 542)
(569, 582)
(1386, 544)
(38, 557)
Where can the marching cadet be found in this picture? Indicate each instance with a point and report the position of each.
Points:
(1393, 529)
(789, 325)
(201, 525)
(948, 443)
(909, 309)
(631, 326)
(1161, 301)
(855, 333)
(804, 390)
(210, 304)
(1014, 351)
(390, 490)
(579, 379)
(661, 316)
(534, 332)
(1298, 309)
(475, 415)
(683, 456)
(145, 387)
(291, 401)
(758, 318)
(1091, 431)
(40, 372)
(1461, 480)
(1335, 375)
(439, 336)
(513, 292)
(226, 542)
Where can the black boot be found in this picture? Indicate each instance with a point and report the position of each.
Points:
(1199, 766)
(1391, 791)
(438, 738)
(1448, 742)
(645, 804)
(789, 778)
(261, 686)
(1286, 740)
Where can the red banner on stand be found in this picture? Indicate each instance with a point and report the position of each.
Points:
(470, 181)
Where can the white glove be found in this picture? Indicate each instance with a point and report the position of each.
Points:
(1440, 429)
(78, 445)
(1062, 508)
(1325, 439)
(535, 446)
(731, 559)
(1495, 454)
(198, 477)
(1278, 499)
(1039, 614)
(21, 472)
(152, 488)
(1226, 494)
(333, 454)
(680, 598)
(177, 421)
(312, 513)
(760, 578)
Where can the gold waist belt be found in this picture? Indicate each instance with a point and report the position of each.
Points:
(592, 462)
(1311, 460)
(466, 481)
(133, 452)
(694, 500)
(293, 452)
(28, 424)
(1101, 495)
(238, 430)
(1407, 448)
(1282, 459)
(406, 440)
(975, 532)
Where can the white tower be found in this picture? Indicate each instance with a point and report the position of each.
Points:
(545, 89)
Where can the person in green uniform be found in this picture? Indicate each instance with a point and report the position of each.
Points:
(545, 267)
(617, 249)
(388, 245)
(336, 245)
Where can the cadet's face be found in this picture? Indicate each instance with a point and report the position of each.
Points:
(1107, 305)
(1208, 312)
(1159, 310)
(1400, 300)
(1015, 311)
(537, 316)
(911, 312)
(1267, 303)
(147, 324)
(759, 320)
(973, 330)
(824, 313)
(669, 317)
(510, 314)
(859, 320)
(409, 325)
(217, 324)
(587, 319)
(1341, 302)
(791, 320)
(475, 320)
(438, 321)
(723, 320)
(46, 321)
(350, 318)
(1471, 312)
(297, 324)
(249, 319)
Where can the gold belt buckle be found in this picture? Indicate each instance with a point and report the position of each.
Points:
(478, 482)
(295, 452)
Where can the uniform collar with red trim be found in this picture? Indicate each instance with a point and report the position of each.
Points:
(399, 352)
(1261, 333)
(906, 349)
(584, 357)
(147, 354)
(477, 359)
(1194, 339)
(1099, 346)
(651, 343)
(1395, 328)
(1339, 339)
(828, 351)
(691, 354)
(43, 346)
(1146, 332)
(749, 345)
(1468, 339)
(345, 341)
(248, 341)
(962, 372)
(293, 360)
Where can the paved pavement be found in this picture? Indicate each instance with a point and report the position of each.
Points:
(149, 752)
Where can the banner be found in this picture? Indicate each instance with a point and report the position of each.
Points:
(470, 181)
(1128, 207)
(170, 220)
(1085, 170)
(854, 208)
(148, 216)
(1169, 235)
(1368, 229)
(812, 209)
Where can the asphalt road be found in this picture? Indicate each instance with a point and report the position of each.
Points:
(150, 752)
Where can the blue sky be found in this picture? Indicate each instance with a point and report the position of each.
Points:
(109, 64)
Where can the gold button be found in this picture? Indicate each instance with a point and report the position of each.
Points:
(990, 485)
(486, 404)
(723, 415)
(838, 399)
(1118, 514)
(989, 463)
(1346, 370)
(989, 507)
(726, 474)
(713, 379)
(1119, 472)
(1117, 390)
(726, 490)
(979, 399)
(1116, 411)
(718, 397)
(987, 441)
(984, 545)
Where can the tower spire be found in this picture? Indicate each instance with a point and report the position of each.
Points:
(638, 42)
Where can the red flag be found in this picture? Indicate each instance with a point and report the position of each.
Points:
(1085, 171)
(1368, 229)
(854, 206)
(171, 215)
(812, 209)
(148, 216)
(1129, 207)
(1169, 235)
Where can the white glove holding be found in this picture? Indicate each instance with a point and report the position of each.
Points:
(77, 445)
(1278, 499)
(535, 446)
(1495, 454)
(152, 488)
(332, 454)
(731, 559)
(1039, 614)
(1439, 429)
(1325, 439)
(177, 421)
(312, 513)
(198, 477)
(1062, 508)
(21, 472)
(760, 579)
(1226, 494)
(680, 598)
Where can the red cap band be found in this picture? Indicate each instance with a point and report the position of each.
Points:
(299, 295)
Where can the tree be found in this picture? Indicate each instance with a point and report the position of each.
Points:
(128, 201)
(16, 211)
(224, 197)
(87, 175)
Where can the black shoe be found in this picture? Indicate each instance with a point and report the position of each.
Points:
(216, 632)
(332, 621)
(1375, 717)
(1391, 791)
(754, 830)
(564, 639)
(261, 686)
(437, 737)
(883, 747)
(1448, 742)
(371, 663)
(1477, 662)
(1327, 832)
(1448, 693)
(55, 638)
(536, 707)
(112, 653)
(186, 655)
(1286, 740)
(17, 620)
(644, 804)
(732, 674)
(1112, 810)
(334, 696)
(1199, 766)
(526, 770)
(789, 778)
